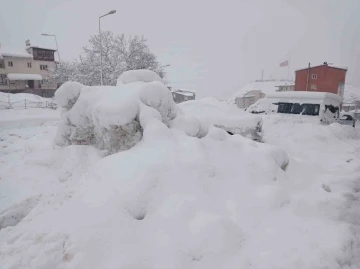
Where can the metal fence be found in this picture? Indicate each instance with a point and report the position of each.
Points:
(26, 104)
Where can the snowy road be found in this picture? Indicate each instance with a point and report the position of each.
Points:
(52, 216)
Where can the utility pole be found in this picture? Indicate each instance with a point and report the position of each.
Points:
(288, 67)
(307, 79)
(262, 75)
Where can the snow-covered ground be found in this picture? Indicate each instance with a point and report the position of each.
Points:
(175, 201)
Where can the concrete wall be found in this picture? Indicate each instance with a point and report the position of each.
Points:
(328, 79)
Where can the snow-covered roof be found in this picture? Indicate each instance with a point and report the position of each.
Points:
(286, 84)
(303, 94)
(14, 52)
(328, 65)
(42, 47)
(21, 76)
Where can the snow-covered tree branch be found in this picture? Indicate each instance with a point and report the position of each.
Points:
(119, 53)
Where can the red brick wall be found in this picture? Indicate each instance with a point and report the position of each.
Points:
(327, 80)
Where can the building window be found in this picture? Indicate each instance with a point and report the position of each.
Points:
(43, 67)
(313, 87)
(314, 76)
(44, 81)
(3, 80)
(10, 64)
(29, 65)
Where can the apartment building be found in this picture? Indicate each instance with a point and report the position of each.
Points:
(27, 71)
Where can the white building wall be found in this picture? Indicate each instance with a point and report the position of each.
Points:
(20, 65)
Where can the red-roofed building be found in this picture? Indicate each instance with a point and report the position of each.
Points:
(322, 78)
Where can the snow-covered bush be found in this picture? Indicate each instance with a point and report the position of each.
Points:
(113, 118)
(143, 75)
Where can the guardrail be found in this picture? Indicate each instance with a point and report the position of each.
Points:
(25, 104)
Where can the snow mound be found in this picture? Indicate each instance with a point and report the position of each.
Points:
(143, 75)
(111, 118)
(22, 100)
(18, 97)
(228, 117)
(172, 199)
(264, 105)
(67, 95)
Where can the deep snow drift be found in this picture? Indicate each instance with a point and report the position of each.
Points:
(178, 201)
(113, 118)
(228, 117)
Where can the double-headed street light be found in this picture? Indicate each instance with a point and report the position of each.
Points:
(101, 65)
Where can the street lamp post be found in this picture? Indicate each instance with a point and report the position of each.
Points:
(101, 65)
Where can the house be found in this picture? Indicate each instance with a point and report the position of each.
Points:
(351, 99)
(321, 78)
(255, 90)
(27, 71)
(180, 96)
(286, 87)
(249, 98)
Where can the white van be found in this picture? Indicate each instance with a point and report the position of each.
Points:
(324, 105)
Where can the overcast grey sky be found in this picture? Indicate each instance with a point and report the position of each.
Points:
(214, 47)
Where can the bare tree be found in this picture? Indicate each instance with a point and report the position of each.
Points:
(119, 55)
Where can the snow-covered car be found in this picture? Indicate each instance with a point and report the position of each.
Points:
(347, 119)
(224, 116)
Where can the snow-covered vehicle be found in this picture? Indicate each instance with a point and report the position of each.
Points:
(224, 116)
(323, 105)
(347, 118)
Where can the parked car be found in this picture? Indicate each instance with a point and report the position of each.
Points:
(227, 117)
(347, 119)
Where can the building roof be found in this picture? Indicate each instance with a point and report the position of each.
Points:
(11, 52)
(21, 76)
(286, 84)
(303, 94)
(41, 47)
(328, 65)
